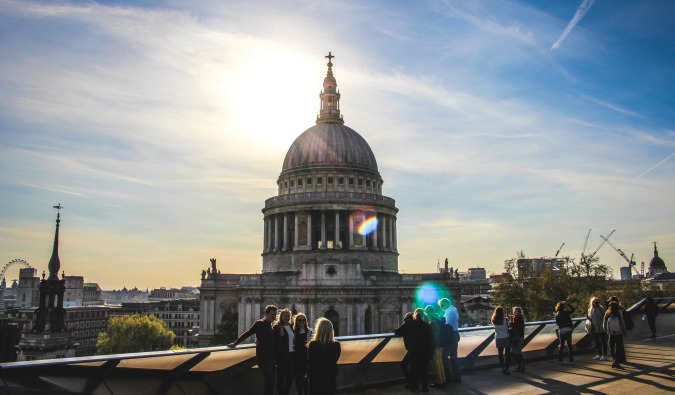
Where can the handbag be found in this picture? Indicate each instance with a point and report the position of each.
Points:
(589, 325)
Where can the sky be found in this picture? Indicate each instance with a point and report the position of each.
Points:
(498, 126)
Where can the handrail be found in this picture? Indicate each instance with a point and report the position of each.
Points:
(367, 360)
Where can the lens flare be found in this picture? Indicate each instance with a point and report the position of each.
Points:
(429, 293)
(368, 226)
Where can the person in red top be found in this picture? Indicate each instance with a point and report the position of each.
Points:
(265, 346)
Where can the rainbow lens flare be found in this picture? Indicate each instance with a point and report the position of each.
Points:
(429, 293)
(368, 226)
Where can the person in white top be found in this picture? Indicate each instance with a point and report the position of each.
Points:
(450, 361)
(502, 340)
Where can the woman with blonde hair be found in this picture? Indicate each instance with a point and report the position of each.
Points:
(502, 341)
(323, 353)
(301, 329)
(285, 351)
(595, 316)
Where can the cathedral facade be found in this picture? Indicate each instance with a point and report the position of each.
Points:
(330, 240)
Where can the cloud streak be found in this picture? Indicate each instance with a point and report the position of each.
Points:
(581, 12)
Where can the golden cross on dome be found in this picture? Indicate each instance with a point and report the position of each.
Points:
(330, 57)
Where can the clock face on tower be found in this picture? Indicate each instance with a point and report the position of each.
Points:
(331, 271)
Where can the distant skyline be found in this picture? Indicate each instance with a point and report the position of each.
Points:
(498, 126)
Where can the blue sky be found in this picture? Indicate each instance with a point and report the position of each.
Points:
(498, 126)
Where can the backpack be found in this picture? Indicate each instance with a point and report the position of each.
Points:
(627, 320)
(613, 324)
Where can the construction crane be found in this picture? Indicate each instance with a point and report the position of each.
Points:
(558, 252)
(631, 261)
(602, 243)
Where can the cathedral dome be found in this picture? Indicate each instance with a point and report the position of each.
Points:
(330, 145)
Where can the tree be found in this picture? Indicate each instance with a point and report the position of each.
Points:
(575, 283)
(134, 333)
(228, 329)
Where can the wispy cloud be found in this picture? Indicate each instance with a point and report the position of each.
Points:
(581, 12)
(655, 166)
(54, 189)
(611, 106)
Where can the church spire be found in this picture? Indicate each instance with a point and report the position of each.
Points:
(54, 261)
(330, 97)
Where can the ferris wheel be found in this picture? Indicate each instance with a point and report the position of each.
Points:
(19, 262)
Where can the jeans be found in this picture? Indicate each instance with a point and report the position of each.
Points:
(601, 342)
(267, 366)
(566, 338)
(450, 361)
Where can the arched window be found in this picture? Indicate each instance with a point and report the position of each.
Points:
(334, 317)
(302, 233)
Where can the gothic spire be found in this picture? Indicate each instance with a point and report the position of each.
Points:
(54, 261)
(330, 97)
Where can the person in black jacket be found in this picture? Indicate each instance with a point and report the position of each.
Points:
(517, 331)
(301, 330)
(563, 318)
(420, 349)
(265, 346)
(323, 353)
(285, 353)
(405, 362)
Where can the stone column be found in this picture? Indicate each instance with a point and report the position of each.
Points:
(242, 317)
(350, 320)
(277, 245)
(269, 233)
(384, 232)
(309, 230)
(391, 233)
(394, 234)
(375, 246)
(351, 230)
(337, 230)
(285, 246)
(297, 231)
(323, 229)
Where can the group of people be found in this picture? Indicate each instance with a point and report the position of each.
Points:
(431, 337)
(289, 351)
(509, 338)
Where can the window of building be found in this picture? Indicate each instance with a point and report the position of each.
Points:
(292, 185)
(286, 184)
(360, 181)
(299, 182)
(341, 180)
(309, 181)
(330, 180)
(351, 181)
(368, 183)
(319, 181)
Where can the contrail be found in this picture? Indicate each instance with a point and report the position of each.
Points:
(581, 11)
(655, 166)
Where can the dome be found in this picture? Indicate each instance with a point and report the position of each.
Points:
(330, 145)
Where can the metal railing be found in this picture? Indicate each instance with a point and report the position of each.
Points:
(366, 361)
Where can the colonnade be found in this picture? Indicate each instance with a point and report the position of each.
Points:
(329, 229)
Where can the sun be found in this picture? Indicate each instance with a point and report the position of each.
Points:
(268, 92)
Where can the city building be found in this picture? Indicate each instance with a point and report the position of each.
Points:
(124, 295)
(28, 289)
(181, 316)
(91, 295)
(329, 239)
(49, 337)
(532, 267)
(74, 291)
(173, 293)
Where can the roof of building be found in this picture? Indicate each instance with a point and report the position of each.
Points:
(329, 143)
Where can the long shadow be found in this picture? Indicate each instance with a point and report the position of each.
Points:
(640, 369)
(556, 386)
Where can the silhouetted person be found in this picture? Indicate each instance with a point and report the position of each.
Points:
(265, 346)
(420, 349)
(563, 318)
(651, 311)
(323, 353)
